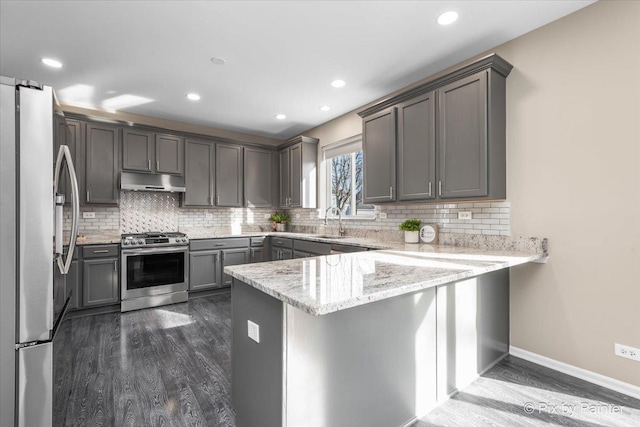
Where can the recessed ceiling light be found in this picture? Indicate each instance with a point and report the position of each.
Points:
(51, 63)
(448, 18)
(281, 116)
(338, 83)
(218, 61)
(325, 108)
(193, 96)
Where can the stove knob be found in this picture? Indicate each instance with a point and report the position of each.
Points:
(140, 242)
(184, 240)
(126, 243)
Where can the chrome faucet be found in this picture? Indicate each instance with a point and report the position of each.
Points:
(341, 230)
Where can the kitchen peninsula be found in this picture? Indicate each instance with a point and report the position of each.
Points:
(371, 338)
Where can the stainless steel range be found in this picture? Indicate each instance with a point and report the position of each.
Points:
(155, 269)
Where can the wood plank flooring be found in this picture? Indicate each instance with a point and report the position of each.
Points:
(171, 366)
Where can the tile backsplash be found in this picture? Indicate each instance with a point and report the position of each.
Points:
(488, 218)
(145, 211)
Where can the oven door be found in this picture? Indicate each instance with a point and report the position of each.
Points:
(154, 271)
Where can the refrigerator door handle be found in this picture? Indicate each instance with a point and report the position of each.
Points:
(65, 154)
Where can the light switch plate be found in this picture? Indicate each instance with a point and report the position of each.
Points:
(208, 216)
(88, 215)
(382, 215)
(465, 215)
(253, 331)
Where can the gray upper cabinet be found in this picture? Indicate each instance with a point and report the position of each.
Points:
(101, 164)
(379, 155)
(71, 135)
(451, 137)
(417, 148)
(298, 173)
(462, 139)
(169, 154)
(199, 173)
(229, 175)
(138, 150)
(144, 151)
(285, 185)
(258, 173)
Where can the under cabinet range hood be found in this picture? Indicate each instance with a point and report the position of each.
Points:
(134, 181)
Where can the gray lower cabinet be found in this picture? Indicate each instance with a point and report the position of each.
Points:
(379, 155)
(199, 173)
(100, 282)
(204, 270)
(281, 253)
(417, 148)
(258, 172)
(102, 146)
(138, 150)
(258, 254)
(229, 175)
(73, 282)
(300, 254)
(233, 257)
(462, 137)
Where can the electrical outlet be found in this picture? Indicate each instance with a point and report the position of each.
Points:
(382, 215)
(266, 216)
(208, 216)
(88, 215)
(627, 352)
(298, 216)
(465, 215)
(311, 215)
(253, 331)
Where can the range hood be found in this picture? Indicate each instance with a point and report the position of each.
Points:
(135, 181)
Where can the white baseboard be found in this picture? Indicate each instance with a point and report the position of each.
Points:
(583, 374)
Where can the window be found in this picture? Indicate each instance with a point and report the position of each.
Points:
(344, 179)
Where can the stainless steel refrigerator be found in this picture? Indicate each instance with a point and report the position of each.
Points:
(34, 259)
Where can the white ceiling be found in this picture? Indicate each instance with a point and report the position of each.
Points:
(281, 55)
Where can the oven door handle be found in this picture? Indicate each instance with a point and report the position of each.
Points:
(142, 251)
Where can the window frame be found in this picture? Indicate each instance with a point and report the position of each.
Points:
(325, 178)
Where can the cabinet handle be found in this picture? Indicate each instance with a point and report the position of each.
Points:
(439, 188)
(87, 195)
(222, 257)
(157, 164)
(219, 244)
(115, 266)
(429, 188)
(253, 256)
(102, 251)
(215, 258)
(149, 168)
(217, 200)
(391, 193)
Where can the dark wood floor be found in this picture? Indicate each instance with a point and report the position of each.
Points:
(171, 366)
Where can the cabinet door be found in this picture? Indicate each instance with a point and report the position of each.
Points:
(379, 150)
(295, 199)
(301, 254)
(73, 283)
(100, 282)
(101, 164)
(286, 254)
(199, 175)
(137, 150)
(275, 254)
(69, 134)
(417, 148)
(233, 257)
(285, 179)
(257, 254)
(169, 154)
(462, 137)
(228, 175)
(257, 178)
(204, 270)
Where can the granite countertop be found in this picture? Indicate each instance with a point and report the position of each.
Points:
(95, 239)
(326, 284)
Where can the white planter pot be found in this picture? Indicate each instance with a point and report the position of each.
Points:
(411, 237)
(281, 227)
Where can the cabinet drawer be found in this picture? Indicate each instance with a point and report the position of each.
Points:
(209, 244)
(100, 251)
(312, 247)
(257, 241)
(282, 242)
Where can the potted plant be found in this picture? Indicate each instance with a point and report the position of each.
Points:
(411, 227)
(280, 219)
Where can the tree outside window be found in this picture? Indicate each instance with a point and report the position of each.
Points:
(345, 184)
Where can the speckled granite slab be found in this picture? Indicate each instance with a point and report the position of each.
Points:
(326, 284)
